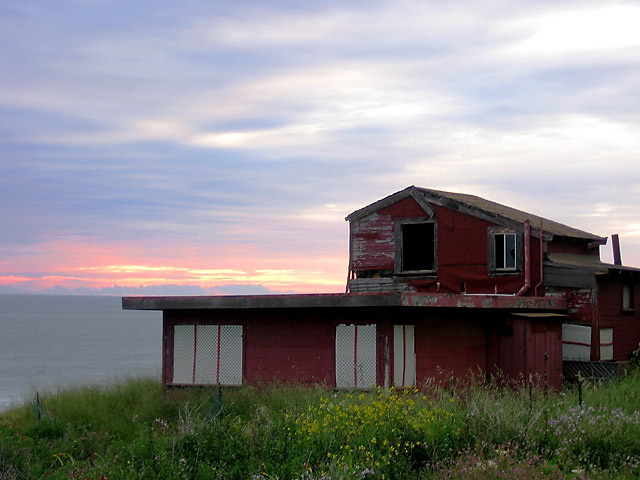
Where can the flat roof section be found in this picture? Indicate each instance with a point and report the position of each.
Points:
(346, 300)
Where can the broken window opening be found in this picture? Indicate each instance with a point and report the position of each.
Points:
(418, 247)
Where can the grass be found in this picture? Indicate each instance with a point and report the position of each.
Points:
(132, 429)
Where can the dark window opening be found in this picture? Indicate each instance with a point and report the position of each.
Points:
(627, 297)
(505, 251)
(418, 247)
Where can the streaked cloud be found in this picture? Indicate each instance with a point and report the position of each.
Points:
(223, 144)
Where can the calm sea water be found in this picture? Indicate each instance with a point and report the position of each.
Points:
(50, 342)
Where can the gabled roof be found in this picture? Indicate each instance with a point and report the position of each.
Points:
(478, 207)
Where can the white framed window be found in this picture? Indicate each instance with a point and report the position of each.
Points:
(505, 251)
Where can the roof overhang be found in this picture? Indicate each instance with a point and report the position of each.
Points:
(347, 300)
(590, 263)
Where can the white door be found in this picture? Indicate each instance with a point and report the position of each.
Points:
(356, 356)
(404, 355)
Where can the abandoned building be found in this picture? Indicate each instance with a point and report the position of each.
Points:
(439, 284)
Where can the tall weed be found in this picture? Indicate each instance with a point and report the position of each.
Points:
(135, 429)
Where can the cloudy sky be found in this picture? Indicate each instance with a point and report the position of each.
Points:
(218, 146)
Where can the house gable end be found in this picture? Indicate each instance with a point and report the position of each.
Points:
(392, 199)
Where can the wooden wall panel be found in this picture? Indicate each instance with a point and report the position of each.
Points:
(449, 346)
(625, 323)
(461, 250)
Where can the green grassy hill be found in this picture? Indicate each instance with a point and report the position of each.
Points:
(134, 430)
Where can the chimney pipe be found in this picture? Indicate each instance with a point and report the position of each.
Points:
(615, 243)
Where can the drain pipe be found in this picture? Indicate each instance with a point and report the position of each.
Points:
(527, 259)
(350, 268)
(535, 290)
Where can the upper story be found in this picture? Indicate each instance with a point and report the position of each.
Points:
(421, 240)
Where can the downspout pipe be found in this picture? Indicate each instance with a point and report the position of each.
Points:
(527, 259)
(350, 268)
(535, 291)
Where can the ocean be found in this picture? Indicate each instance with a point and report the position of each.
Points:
(54, 342)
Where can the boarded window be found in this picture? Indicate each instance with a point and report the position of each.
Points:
(356, 356)
(417, 250)
(606, 344)
(404, 355)
(576, 342)
(207, 354)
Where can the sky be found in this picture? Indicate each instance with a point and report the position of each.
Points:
(216, 147)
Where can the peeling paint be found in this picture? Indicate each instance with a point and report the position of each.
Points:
(483, 301)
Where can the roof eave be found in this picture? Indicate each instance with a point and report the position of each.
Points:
(342, 300)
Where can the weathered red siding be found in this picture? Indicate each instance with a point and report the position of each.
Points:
(461, 250)
(299, 344)
(447, 347)
(625, 323)
(372, 243)
(282, 348)
(524, 348)
(544, 352)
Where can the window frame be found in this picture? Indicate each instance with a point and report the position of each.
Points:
(628, 297)
(399, 246)
(492, 267)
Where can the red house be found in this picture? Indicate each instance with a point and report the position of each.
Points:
(439, 284)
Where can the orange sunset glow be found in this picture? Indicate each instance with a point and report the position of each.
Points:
(205, 149)
(293, 273)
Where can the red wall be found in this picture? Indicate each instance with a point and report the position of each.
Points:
(448, 347)
(524, 348)
(626, 324)
(461, 249)
(300, 349)
(299, 344)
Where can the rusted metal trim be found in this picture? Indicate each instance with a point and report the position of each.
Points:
(509, 302)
